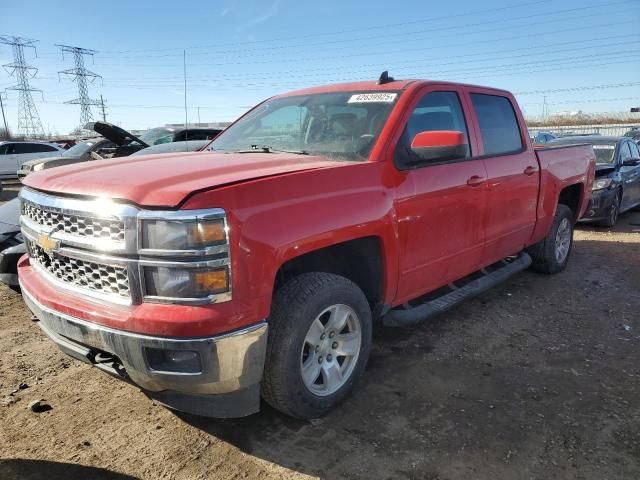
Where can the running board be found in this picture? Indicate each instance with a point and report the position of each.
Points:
(414, 315)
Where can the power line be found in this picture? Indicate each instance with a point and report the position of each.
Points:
(81, 75)
(28, 119)
(385, 36)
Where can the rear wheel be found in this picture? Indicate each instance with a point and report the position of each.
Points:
(319, 339)
(551, 254)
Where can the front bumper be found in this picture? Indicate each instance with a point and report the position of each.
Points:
(599, 205)
(227, 385)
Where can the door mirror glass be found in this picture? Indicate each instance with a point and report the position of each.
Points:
(439, 145)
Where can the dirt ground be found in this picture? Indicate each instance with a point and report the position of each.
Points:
(536, 379)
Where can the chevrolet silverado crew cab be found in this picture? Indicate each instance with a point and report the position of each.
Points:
(257, 267)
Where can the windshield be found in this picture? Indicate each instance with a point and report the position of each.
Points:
(156, 136)
(604, 153)
(79, 149)
(341, 125)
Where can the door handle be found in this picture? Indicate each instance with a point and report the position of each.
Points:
(530, 170)
(475, 181)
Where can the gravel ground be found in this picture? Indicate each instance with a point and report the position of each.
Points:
(536, 379)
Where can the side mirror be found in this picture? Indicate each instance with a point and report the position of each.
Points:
(631, 162)
(439, 145)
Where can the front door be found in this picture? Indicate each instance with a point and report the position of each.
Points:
(440, 210)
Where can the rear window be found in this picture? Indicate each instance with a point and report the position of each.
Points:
(498, 125)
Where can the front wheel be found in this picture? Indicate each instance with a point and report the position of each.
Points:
(614, 212)
(318, 346)
(551, 254)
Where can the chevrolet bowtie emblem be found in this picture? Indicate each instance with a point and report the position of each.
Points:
(48, 244)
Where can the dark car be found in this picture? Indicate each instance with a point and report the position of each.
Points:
(12, 245)
(616, 187)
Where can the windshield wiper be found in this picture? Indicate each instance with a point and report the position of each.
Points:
(269, 149)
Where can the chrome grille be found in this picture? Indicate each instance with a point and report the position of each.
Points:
(94, 276)
(77, 225)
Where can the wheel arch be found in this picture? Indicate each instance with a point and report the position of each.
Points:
(361, 260)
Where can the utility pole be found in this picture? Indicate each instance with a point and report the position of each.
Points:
(104, 115)
(544, 107)
(29, 123)
(198, 113)
(81, 76)
(4, 119)
(184, 70)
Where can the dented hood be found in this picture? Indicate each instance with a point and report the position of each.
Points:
(165, 180)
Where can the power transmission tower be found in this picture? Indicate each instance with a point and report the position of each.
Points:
(29, 123)
(82, 77)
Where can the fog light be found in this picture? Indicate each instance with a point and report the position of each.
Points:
(177, 361)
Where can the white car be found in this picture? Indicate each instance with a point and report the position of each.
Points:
(14, 154)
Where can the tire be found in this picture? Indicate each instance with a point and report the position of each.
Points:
(614, 212)
(544, 253)
(297, 308)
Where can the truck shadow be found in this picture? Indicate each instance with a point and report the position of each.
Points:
(26, 469)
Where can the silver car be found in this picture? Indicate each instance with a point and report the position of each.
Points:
(14, 154)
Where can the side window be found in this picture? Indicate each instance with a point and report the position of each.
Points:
(498, 124)
(3, 149)
(635, 151)
(24, 148)
(435, 111)
(625, 152)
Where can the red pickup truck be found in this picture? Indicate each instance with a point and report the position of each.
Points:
(258, 267)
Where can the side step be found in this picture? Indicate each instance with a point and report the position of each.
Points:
(414, 315)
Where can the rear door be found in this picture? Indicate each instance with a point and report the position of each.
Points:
(440, 209)
(513, 176)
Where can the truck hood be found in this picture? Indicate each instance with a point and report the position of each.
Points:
(165, 180)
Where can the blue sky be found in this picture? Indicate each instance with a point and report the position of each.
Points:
(241, 51)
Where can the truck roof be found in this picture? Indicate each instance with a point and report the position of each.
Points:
(373, 85)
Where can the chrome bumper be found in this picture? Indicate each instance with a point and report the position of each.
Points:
(228, 384)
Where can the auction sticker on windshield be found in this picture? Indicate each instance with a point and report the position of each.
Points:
(373, 97)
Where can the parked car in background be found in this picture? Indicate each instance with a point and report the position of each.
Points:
(542, 137)
(616, 187)
(188, 146)
(259, 265)
(11, 242)
(14, 154)
(91, 149)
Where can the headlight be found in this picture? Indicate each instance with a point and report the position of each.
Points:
(601, 183)
(195, 264)
(185, 283)
(35, 168)
(183, 235)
